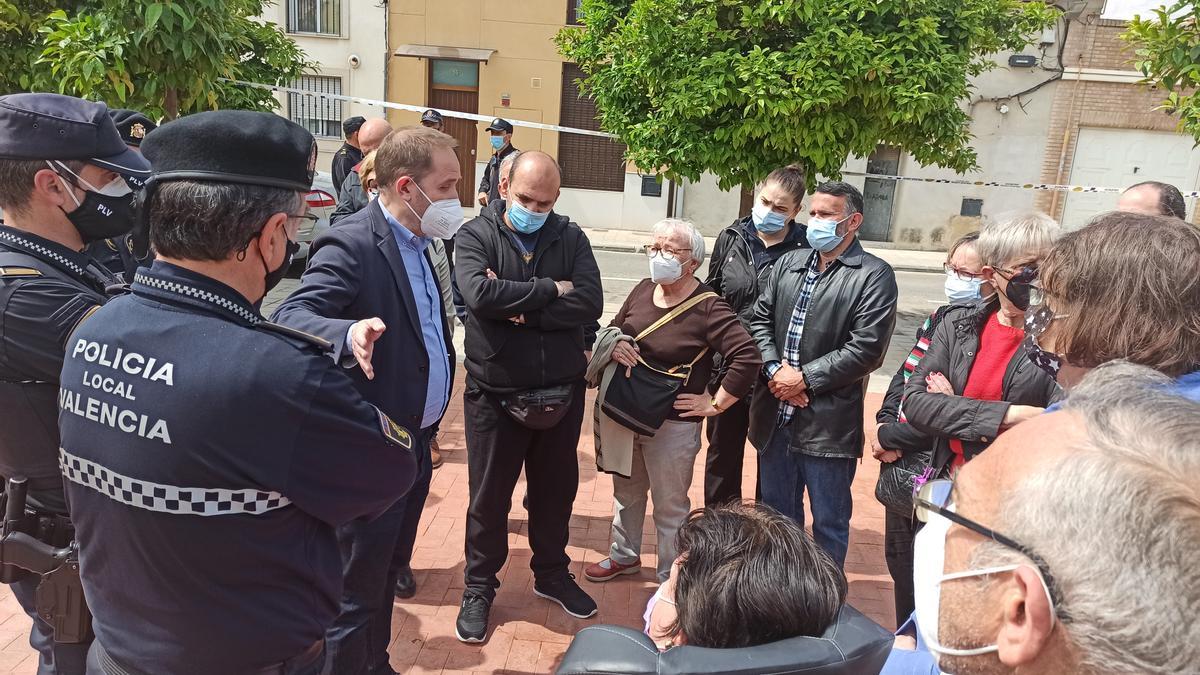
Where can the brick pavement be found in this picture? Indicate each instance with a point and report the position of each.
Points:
(529, 634)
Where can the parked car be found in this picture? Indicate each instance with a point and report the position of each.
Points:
(321, 202)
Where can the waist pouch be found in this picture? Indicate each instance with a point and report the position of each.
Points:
(538, 409)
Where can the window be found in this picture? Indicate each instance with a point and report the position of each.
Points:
(588, 162)
(315, 16)
(573, 13)
(321, 116)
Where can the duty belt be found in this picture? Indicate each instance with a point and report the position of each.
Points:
(307, 658)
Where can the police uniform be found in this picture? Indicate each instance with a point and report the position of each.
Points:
(47, 290)
(117, 253)
(209, 454)
(489, 184)
(347, 157)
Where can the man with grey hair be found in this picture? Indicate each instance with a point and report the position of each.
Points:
(823, 323)
(532, 287)
(1070, 546)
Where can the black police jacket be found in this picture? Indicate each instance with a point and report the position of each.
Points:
(548, 347)
(344, 160)
(46, 291)
(489, 182)
(209, 457)
(846, 333)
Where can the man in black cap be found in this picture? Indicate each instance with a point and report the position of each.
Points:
(349, 155)
(208, 454)
(501, 132)
(354, 197)
(63, 171)
(117, 253)
(433, 119)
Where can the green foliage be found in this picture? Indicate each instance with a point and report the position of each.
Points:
(164, 57)
(1168, 54)
(740, 87)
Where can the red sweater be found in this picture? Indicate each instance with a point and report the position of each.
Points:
(997, 345)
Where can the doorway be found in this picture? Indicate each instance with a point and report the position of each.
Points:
(454, 85)
(879, 195)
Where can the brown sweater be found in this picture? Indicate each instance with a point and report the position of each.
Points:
(710, 324)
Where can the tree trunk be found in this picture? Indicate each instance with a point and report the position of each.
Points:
(171, 103)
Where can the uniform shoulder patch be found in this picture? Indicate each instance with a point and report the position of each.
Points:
(318, 342)
(395, 433)
(13, 271)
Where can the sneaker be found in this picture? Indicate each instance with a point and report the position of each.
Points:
(610, 569)
(472, 621)
(567, 594)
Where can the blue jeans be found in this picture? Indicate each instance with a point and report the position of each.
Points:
(373, 554)
(783, 475)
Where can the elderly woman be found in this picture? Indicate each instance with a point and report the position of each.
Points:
(976, 379)
(662, 460)
(1127, 287)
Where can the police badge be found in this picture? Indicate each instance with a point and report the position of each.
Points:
(137, 131)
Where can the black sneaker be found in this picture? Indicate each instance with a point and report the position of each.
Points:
(472, 621)
(567, 594)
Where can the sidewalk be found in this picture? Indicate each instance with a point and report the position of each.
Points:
(529, 635)
(632, 241)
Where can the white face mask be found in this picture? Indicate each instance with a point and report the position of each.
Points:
(442, 219)
(665, 269)
(929, 561)
(962, 290)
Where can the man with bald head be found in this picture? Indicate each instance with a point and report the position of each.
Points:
(353, 198)
(1070, 546)
(1153, 198)
(532, 288)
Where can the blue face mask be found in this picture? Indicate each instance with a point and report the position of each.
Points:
(766, 219)
(525, 221)
(822, 234)
(497, 142)
(962, 291)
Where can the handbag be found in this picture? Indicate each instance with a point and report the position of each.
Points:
(539, 409)
(642, 401)
(899, 481)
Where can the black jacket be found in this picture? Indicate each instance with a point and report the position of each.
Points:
(352, 199)
(502, 356)
(894, 434)
(732, 270)
(846, 333)
(952, 353)
(344, 160)
(489, 183)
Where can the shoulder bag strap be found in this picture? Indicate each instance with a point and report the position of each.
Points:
(674, 314)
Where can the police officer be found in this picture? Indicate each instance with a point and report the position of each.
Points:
(62, 186)
(349, 155)
(117, 253)
(197, 437)
(501, 132)
(433, 120)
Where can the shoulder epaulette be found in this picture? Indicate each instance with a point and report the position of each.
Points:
(318, 342)
(13, 271)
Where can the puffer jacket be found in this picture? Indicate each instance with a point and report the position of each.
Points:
(976, 423)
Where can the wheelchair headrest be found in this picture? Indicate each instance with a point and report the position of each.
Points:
(853, 645)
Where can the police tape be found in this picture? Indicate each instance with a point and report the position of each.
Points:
(417, 108)
(1048, 187)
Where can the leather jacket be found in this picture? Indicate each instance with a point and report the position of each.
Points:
(846, 333)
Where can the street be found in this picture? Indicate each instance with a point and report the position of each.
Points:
(920, 293)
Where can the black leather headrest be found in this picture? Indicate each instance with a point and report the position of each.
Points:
(853, 645)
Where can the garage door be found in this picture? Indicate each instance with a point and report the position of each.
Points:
(1122, 157)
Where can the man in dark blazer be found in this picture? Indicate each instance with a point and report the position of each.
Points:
(370, 288)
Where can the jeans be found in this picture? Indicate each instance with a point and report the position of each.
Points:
(899, 532)
(662, 464)
(726, 454)
(784, 475)
(373, 554)
(53, 658)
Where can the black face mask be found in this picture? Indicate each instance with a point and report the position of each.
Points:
(99, 216)
(276, 275)
(1020, 287)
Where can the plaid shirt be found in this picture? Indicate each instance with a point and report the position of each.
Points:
(791, 349)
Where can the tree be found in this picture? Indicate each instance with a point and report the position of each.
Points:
(164, 57)
(1168, 55)
(740, 87)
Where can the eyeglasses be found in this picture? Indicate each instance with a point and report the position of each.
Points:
(654, 249)
(960, 273)
(934, 497)
(310, 217)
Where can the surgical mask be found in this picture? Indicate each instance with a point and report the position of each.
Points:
(766, 219)
(665, 269)
(525, 221)
(822, 234)
(961, 290)
(497, 142)
(276, 275)
(104, 213)
(442, 219)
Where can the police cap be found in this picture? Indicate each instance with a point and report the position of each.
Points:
(132, 125)
(353, 124)
(234, 146)
(53, 126)
(500, 125)
(431, 116)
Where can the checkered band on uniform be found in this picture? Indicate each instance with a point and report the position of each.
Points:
(194, 501)
(38, 248)
(199, 294)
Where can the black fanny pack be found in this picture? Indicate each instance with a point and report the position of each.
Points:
(539, 409)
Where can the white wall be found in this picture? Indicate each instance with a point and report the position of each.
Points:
(708, 207)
